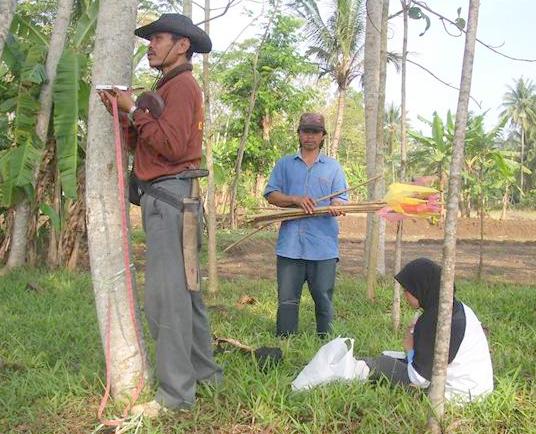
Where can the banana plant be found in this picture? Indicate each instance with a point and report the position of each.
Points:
(21, 152)
(71, 98)
(431, 154)
(20, 92)
(489, 170)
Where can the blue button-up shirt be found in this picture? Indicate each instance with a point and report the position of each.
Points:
(311, 238)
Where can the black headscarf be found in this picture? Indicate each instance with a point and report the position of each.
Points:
(422, 279)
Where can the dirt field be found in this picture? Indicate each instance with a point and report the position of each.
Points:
(509, 249)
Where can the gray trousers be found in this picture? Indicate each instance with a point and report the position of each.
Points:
(395, 370)
(177, 317)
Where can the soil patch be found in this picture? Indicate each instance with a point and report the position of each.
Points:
(509, 250)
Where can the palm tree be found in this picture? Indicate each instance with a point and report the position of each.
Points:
(391, 132)
(520, 109)
(337, 44)
(392, 127)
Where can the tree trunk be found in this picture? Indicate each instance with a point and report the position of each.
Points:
(371, 88)
(468, 205)
(241, 150)
(442, 341)
(481, 244)
(267, 125)
(53, 254)
(522, 160)
(211, 199)
(380, 136)
(74, 229)
(17, 250)
(57, 42)
(187, 8)
(247, 122)
(111, 64)
(334, 146)
(8, 219)
(505, 200)
(259, 187)
(42, 193)
(7, 10)
(395, 308)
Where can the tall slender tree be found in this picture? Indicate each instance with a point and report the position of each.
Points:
(520, 108)
(211, 190)
(7, 10)
(337, 44)
(395, 309)
(380, 136)
(187, 8)
(17, 254)
(110, 275)
(442, 339)
(371, 81)
(247, 123)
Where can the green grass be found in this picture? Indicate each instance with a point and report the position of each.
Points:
(52, 378)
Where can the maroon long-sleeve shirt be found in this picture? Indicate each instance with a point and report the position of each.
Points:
(173, 142)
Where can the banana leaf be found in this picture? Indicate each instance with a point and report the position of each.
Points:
(85, 26)
(66, 115)
(19, 162)
(25, 29)
(52, 215)
(17, 166)
(13, 54)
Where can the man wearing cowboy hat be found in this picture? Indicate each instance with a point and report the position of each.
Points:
(167, 146)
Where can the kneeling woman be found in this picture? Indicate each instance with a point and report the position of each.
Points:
(469, 371)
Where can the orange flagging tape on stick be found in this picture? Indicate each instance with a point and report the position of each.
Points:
(409, 200)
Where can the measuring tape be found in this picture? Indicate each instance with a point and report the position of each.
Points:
(130, 290)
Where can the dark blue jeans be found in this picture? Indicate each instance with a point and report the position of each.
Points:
(320, 278)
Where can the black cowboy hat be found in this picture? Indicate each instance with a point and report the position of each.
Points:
(179, 25)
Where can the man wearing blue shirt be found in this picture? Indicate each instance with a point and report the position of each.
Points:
(307, 248)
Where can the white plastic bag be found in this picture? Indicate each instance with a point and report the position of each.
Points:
(333, 361)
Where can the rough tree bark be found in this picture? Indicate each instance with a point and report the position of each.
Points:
(481, 206)
(441, 351)
(7, 10)
(111, 65)
(395, 308)
(371, 80)
(334, 144)
(211, 199)
(17, 254)
(380, 136)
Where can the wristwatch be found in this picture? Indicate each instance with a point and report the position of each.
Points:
(131, 113)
